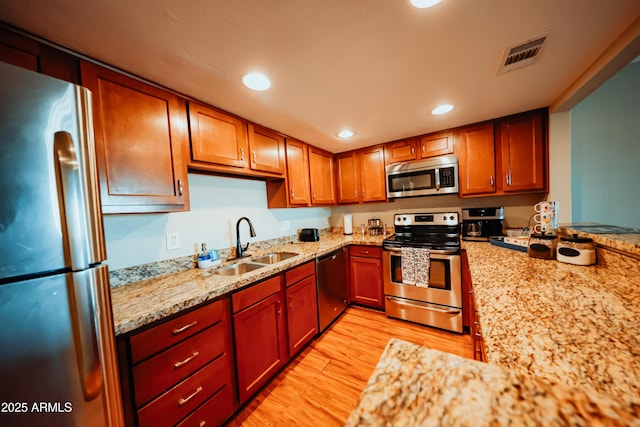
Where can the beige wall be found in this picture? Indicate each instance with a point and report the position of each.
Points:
(560, 163)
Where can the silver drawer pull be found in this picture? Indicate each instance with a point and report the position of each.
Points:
(202, 423)
(185, 361)
(184, 400)
(184, 328)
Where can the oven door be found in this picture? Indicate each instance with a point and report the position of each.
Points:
(445, 284)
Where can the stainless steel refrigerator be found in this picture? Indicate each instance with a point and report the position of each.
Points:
(58, 364)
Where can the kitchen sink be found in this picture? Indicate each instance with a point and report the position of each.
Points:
(273, 257)
(239, 268)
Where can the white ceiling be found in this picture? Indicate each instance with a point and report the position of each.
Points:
(376, 66)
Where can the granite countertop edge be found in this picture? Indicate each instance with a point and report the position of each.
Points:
(141, 303)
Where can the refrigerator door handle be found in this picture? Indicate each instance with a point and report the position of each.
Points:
(71, 197)
(82, 305)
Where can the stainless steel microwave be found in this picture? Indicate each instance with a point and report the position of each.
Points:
(438, 175)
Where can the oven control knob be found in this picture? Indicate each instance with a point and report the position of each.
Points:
(451, 217)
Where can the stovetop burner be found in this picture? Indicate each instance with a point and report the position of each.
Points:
(439, 231)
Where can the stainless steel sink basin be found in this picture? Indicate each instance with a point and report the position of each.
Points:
(239, 268)
(273, 257)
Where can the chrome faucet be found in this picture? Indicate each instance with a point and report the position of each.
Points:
(239, 249)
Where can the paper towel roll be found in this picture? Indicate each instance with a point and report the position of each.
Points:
(348, 224)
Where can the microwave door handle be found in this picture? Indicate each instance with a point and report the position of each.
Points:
(437, 178)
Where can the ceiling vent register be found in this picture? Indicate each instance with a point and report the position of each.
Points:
(521, 56)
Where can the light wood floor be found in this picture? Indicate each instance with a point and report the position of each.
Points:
(322, 385)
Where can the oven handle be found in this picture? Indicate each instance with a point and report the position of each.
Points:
(436, 254)
(425, 306)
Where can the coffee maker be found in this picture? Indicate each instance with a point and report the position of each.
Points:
(481, 223)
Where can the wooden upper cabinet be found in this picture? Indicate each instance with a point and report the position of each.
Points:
(24, 52)
(400, 151)
(298, 172)
(361, 175)
(321, 177)
(372, 174)
(267, 150)
(217, 137)
(476, 160)
(140, 132)
(523, 153)
(347, 177)
(436, 144)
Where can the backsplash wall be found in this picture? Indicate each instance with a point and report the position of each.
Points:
(216, 205)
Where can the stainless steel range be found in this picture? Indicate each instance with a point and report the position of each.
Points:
(440, 303)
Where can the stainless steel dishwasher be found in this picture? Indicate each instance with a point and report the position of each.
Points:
(332, 286)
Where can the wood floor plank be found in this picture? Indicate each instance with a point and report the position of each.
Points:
(322, 385)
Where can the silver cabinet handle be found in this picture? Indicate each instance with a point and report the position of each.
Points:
(314, 194)
(491, 180)
(279, 307)
(413, 150)
(184, 400)
(176, 331)
(293, 194)
(187, 360)
(254, 156)
(180, 187)
(242, 154)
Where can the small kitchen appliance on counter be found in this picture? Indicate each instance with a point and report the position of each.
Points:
(309, 235)
(480, 224)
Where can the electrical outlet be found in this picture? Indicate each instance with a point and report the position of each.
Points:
(286, 225)
(173, 240)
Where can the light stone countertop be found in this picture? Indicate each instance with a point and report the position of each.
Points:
(578, 325)
(144, 302)
(415, 386)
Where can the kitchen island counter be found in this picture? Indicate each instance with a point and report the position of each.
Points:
(141, 303)
(412, 385)
(577, 325)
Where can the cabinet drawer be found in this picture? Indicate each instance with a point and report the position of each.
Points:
(213, 412)
(299, 273)
(165, 335)
(252, 295)
(162, 371)
(365, 251)
(175, 404)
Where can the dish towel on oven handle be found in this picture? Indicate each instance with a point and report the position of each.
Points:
(415, 264)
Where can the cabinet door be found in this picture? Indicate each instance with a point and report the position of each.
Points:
(321, 176)
(522, 148)
(366, 281)
(437, 144)
(298, 172)
(372, 174)
(261, 344)
(302, 313)
(217, 137)
(140, 132)
(267, 150)
(400, 151)
(347, 177)
(476, 159)
(24, 52)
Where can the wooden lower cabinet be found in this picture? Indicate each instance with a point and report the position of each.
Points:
(365, 273)
(260, 331)
(470, 316)
(181, 370)
(302, 306)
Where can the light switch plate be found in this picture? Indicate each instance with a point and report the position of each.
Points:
(173, 240)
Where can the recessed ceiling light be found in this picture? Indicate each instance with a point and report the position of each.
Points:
(422, 4)
(344, 134)
(256, 81)
(442, 109)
